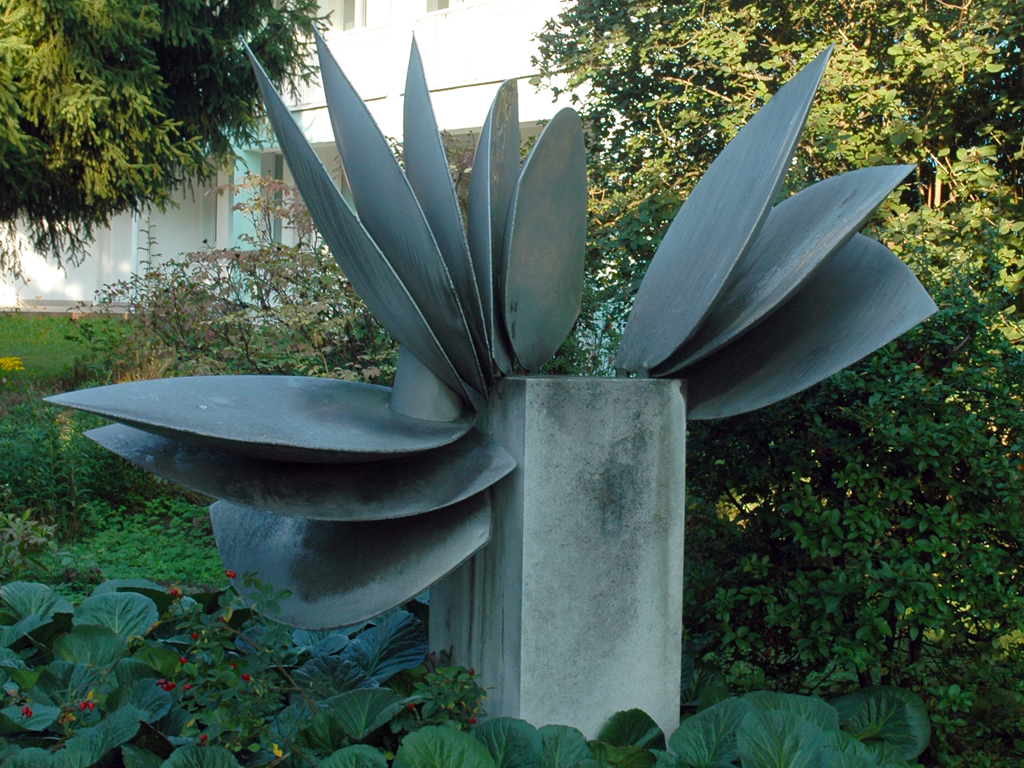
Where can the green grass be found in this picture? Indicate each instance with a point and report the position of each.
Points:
(39, 341)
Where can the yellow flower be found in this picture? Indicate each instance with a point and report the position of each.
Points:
(11, 364)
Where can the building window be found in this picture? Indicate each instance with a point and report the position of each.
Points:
(354, 14)
(436, 5)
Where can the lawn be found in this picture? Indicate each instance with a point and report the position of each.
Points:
(41, 343)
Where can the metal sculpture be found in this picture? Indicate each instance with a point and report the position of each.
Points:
(357, 497)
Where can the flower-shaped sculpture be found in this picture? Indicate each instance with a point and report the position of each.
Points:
(356, 497)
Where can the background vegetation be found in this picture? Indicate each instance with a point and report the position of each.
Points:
(867, 530)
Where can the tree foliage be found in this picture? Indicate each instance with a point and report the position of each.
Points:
(108, 105)
(868, 529)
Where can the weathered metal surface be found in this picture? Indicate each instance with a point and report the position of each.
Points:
(716, 226)
(495, 172)
(417, 392)
(370, 273)
(391, 214)
(860, 300)
(344, 573)
(801, 234)
(426, 167)
(376, 490)
(546, 242)
(284, 418)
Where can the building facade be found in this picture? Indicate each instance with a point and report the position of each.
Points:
(469, 47)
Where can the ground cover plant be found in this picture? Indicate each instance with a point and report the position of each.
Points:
(147, 676)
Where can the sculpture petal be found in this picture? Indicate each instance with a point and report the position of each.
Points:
(716, 226)
(860, 300)
(364, 265)
(426, 167)
(546, 242)
(282, 418)
(391, 214)
(375, 490)
(341, 574)
(495, 172)
(801, 234)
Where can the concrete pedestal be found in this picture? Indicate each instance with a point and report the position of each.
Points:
(574, 610)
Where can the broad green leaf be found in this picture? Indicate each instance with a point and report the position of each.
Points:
(633, 727)
(90, 745)
(622, 757)
(834, 759)
(774, 739)
(701, 678)
(163, 660)
(512, 743)
(811, 708)
(319, 643)
(42, 717)
(434, 747)
(126, 614)
(711, 695)
(355, 756)
(27, 599)
(137, 757)
(325, 676)
(844, 743)
(150, 699)
(290, 720)
(33, 757)
(24, 677)
(562, 746)
(398, 642)
(200, 757)
(92, 645)
(710, 736)
(129, 671)
(895, 715)
(10, 636)
(63, 683)
(159, 595)
(665, 759)
(362, 711)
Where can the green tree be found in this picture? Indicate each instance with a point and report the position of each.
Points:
(108, 105)
(867, 530)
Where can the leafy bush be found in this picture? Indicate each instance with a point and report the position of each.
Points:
(265, 308)
(24, 543)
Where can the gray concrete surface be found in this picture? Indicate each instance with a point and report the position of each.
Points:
(574, 610)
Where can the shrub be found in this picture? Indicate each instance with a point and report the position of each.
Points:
(267, 308)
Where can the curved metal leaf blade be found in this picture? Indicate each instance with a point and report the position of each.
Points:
(344, 573)
(391, 214)
(426, 167)
(801, 234)
(281, 418)
(495, 172)
(860, 300)
(717, 225)
(366, 491)
(370, 273)
(546, 242)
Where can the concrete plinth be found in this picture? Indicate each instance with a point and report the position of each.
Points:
(574, 610)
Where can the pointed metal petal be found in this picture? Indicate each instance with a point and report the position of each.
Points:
(391, 214)
(370, 273)
(860, 300)
(546, 242)
(426, 167)
(340, 574)
(495, 172)
(374, 490)
(801, 234)
(282, 418)
(716, 226)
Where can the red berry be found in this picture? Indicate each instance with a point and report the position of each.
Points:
(176, 592)
(26, 711)
(83, 705)
(91, 705)
(169, 686)
(412, 707)
(183, 660)
(472, 672)
(246, 677)
(195, 635)
(203, 738)
(233, 665)
(230, 574)
(472, 720)
(161, 681)
(187, 686)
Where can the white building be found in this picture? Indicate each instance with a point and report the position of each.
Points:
(469, 47)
